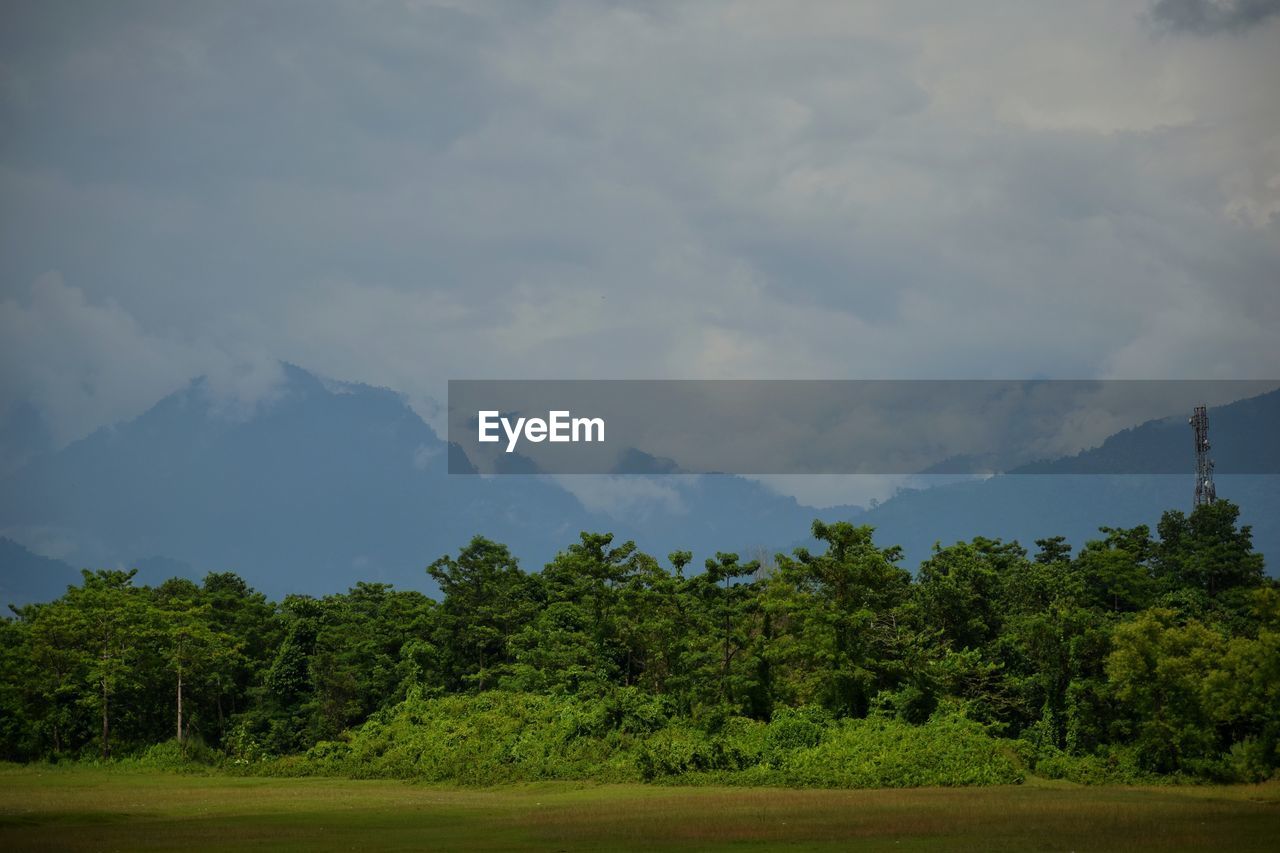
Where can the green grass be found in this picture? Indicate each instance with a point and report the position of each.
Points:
(86, 809)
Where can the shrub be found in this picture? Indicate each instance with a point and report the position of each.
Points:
(880, 752)
(1252, 760)
(797, 728)
(504, 737)
(242, 745)
(486, 739)
(191, 754)
(1113, 767)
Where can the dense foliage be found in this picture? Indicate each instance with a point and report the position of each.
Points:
(628, 735)
(1140, 656)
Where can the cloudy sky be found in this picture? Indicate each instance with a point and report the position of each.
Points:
(402, 193)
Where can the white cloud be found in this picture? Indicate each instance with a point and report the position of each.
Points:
(85, 364)
(746, 189)
(629, 498)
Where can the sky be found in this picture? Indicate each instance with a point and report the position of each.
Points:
(403, 193)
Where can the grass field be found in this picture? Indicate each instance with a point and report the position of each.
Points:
(81, 809)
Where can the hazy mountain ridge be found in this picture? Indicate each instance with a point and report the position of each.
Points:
(1237, 432)
(25, 576)
(325, 484)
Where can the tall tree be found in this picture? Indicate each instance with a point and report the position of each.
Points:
(487, 599)
(729, 607)
(193, 650)
(842, 593)
(114, 623)
(1207, 551)
(1115, 571)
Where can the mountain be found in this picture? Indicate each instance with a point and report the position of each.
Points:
(27, 577)
(24, 436)
(1243, 435)
(1029, 507)
(1070, 497)
(326, 483)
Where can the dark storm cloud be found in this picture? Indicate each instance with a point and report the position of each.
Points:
(1212, 16)
(403, 192)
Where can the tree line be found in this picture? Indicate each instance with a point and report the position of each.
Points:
(1163, 646)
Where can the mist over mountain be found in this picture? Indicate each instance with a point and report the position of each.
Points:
(1072, 496)
(24, 436)
(326, 483)
(1243, 435)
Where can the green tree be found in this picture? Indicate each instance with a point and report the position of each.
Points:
(1159, 672)
(728, 607)
(49, 653)
(113, 624)
(958, 588)
(577, 641)
(1115, 571)
(238, 611)
(487, 599)
(1207, 551)
(840, 599)
(193, 651)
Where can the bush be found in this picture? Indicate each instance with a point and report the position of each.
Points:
(675, 751)
(501, 737)
(242, 745)
(1252, 760)
(328, 758)
(888, 753)
(191, 754)
(797, 728)
(485, 739)
(1113, 767)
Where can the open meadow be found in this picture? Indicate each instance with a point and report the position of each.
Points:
(87, 809)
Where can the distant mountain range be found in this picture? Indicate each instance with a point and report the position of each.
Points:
(328, 483)
(1245, 437)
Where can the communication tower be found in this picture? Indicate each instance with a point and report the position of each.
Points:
(1199, 421)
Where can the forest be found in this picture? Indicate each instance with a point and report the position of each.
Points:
(1140, 656)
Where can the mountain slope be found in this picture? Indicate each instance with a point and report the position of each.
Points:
(328, 483)
(1243, 435)
(1068, 496)
(26, 577)
(1030, 507)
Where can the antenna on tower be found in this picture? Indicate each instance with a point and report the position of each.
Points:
(1205, 493)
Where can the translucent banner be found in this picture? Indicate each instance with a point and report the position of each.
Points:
(882, 427)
